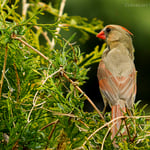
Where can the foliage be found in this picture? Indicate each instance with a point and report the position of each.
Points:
(40, 106)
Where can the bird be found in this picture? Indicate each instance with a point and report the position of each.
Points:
(117, 73)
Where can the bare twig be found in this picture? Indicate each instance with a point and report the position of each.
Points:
(62, 6)
(108, 123)
(3, 72)
(54, 122)
(52, 131)
(135, 134)
(45, 35)
(25, 6)
(102, 146)
(15, 146)
(50, 135)
(83, 123)
(35, 96)
(79, 89)
(127, 129)
(25, 43)
(60, 114)
(75, 59)
(4, 1)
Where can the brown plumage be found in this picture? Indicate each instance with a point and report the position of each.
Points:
(116, 72)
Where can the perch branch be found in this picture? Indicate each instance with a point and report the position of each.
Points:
(108, 123)
(79, 89)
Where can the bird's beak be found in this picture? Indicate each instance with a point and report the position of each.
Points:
(101, 35)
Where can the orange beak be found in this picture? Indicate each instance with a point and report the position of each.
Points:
(101, 35)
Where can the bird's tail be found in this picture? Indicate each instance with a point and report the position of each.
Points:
(117, 111)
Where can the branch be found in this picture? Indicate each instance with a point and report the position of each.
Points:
(25, 6)
(90, 101)
(60, 114)
(4, 1)
(54, 122)
(107, 135)
(44, 33)
(108, 123)
(75, 59)
(62, 6)
(50, 135)
(25, 43)
(35, 96)
(3, 72)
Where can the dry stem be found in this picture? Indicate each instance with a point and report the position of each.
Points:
(25, 6)
(50, 135)
(62, 6)
(75, 59)
(3, 72)
(79, 89)
(35, 96)
(108, 123)
(44, 33)
(28, 45)
(106, 135)
(54, 122)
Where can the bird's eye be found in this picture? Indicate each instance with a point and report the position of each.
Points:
(108, 30)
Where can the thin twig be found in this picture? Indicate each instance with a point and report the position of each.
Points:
(35, 96)
(44, 33)
(127, 129)
(28, 45)
(15, 146)
(135, 134)
(75, 59)
(62, 6)
(54, 122)
(102, 146)
(83, 123)
(108, 123)
(3, 72)
(60, 114)
(79, 89)
(4, 1)
(25, 6)
(51, 133)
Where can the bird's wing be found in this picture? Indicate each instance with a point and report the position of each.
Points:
(114, 88)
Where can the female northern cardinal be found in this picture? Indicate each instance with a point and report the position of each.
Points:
(116, 72)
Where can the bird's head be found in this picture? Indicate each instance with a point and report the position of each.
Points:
(115, 34)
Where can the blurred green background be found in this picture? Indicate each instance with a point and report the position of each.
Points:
(132, 14)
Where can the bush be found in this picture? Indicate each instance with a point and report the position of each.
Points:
(41, 102)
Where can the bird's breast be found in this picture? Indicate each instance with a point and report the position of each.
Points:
(118, 62)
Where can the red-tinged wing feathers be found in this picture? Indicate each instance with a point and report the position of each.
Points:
(116, 88)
